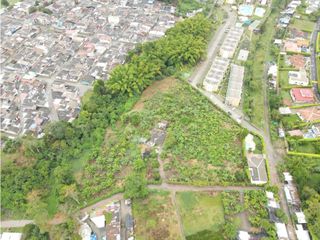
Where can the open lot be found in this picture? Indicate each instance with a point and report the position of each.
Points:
(303, 25)
(201, 212)
(155, 218)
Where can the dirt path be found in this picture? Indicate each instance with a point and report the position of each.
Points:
(245, 225)
(182, 188)
(14, 223)
(178, 215)
(161, 169)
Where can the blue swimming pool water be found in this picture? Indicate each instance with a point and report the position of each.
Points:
(246, 10)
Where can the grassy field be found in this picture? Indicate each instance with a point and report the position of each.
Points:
(155, 218)
(200, 212)
(303, 25)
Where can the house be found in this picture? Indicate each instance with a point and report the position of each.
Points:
(10, 236)
(243, 235)
(271, 200)
(282, 231)
(257, 168)
(297, 61)
(302, 234)
(273, 70)
(234, 91)
(254, 26)
(250, 145)
(298, 78)
(302, 95)
(285, 110)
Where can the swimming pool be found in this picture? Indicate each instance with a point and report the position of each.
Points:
(245, 10)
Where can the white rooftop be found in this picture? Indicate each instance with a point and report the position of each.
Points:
(301, 233)
(243, 235)
(10, 236)
(99, 221)
(287, 176)
(301, 218)
(282, 231)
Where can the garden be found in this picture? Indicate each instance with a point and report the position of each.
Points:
(155, 217)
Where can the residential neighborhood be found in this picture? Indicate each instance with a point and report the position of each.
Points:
(61, 54)
(160, 119)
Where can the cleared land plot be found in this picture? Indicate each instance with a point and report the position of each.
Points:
(200, 212)
(303, 25)
(155, 218)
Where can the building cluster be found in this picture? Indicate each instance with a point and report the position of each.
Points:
(288, 13)
(46, 59)
(292, 197)
(220, 63)
(312, 6)
(113, 221)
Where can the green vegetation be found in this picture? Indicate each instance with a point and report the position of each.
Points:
(189, 155)
(303, 25)
(260, 51)
(186, 6)
(307, 176)
(155, 217)
(255, 202)
(231, 203)
(200, 212)
(32, 232)
(304, 146)
(51, 177)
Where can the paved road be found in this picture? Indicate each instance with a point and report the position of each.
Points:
(202, 69)
(313, 65)
(14, 223)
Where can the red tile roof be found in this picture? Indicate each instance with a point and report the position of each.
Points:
(302, 95)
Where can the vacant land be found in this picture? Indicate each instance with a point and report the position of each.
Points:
(155, 218)
(200, 212)
(303, 25)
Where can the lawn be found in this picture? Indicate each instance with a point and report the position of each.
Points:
(200, 212)
(289, 121)
(305, 147)
(155, 218)
(303, 25)
(284, 79)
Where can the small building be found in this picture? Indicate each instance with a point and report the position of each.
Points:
(243, 55)
(234, 90)
(282, 231)
(10, 236)
(285, 111)
(250, 145)
(257, 168)
(243, 235)
(254, 26)
(298, 78)
(302, 95)
(302, 234)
